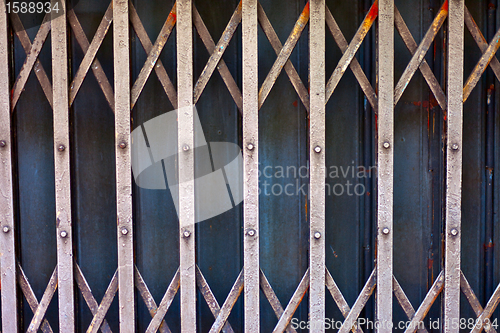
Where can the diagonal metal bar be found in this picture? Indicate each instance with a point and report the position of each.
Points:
(480, 40)
(360, 303)
(228, 304)
(481, 66)
(476, 306)
(426, 71)
(39, 314)
(429, 299)
(419, 54)
(30, 297)
(340, 300)
(351, 50)
(164, 304)
(109, 295)
(32, 52)
(298, 295)
(405, 302)
(89, 298)
(209, 43)
(275, 303)
(354, 65)
(89, 60)
(153, 54)
(218, 51)
(148, 299)
(275, 42)
(210, 298)
(284, 55)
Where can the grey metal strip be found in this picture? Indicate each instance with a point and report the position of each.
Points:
(385, 164)
(64, 236)
(121, 57)
(7, 241)
(455, 85)
(251, 166)
(186, 165)
(317, 162)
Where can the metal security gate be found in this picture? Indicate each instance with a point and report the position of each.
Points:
(361, 91)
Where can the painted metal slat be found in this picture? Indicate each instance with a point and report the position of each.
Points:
(454, 165)
(121, 57)
(7, 242)
(186, 165)
(317, 162)
(385, 165)
(251, 166)
(64, 236)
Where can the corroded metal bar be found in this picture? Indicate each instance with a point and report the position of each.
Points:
(350, 52)
(89, 60)
(452, 230)
(385, 164)
(419, 54)
(429, 76)
(209, 43)
(405, 302)
(364, 83)
(164, 304)
(10, 321)
(121, 57)
(488, 311)
(473, 301)
(228, 305)
(317, 151)
(251, 166)
(185, 116)
(109, 295)
(41, 309)
(284, 55)
(290, 70)
(62, 172)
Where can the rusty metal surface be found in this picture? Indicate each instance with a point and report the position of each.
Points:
(103, 308)
(41, 309)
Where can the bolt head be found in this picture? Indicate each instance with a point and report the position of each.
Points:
(3, 143)
(64, 234)
(61, 148)
(6, 229)
(385, 231)
(124, 231)
(250, 146)
(186, 233)
(185, 148)
(123, 145)
(251, 232)
(317, 235)
(387, 145)
(454, 146)
(454, 231)
(317, 149)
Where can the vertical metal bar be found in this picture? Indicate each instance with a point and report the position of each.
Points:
(385, 158)
(64, 236)
(251, 166)
(7, 242)
(317, 151)
(121, 58)
(186, 165)
(454, 165)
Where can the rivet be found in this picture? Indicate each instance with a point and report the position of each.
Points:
(6, 229)
(317, 235)
(454, 146)
(385, 231)
(185, 148)
(387, 145)
(454, 231)
(250, 146)
(124, 231)
(64, 234)
(3, 143)
(317, 149)
(123, 145)
(251, 232)
(186, 234)
(61, 148)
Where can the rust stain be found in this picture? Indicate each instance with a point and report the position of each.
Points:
(172, 17)
(445, 6)
(295, 103)
(372, 14)
(430, 263)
